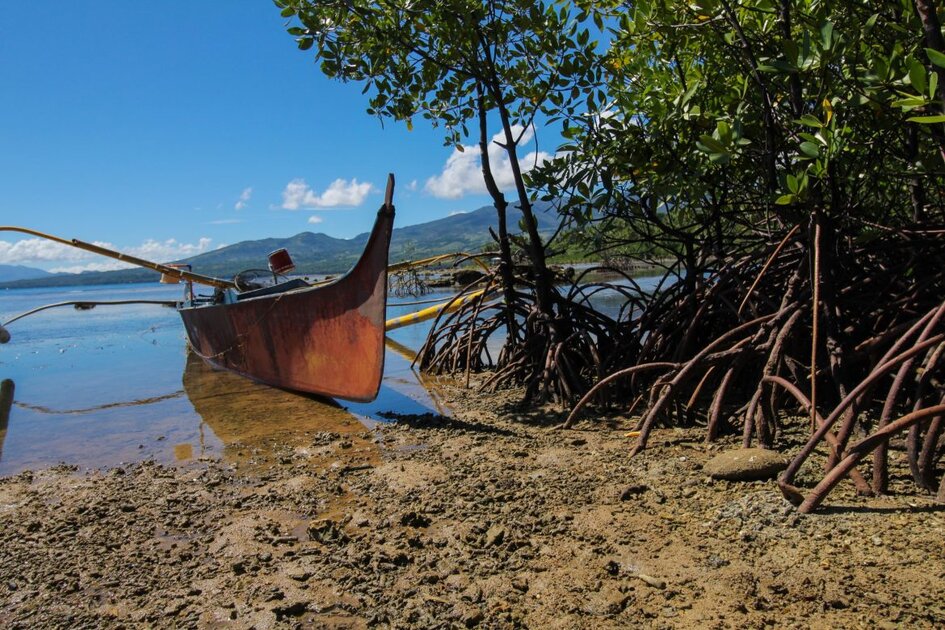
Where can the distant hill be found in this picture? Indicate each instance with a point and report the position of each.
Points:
(10, 273)
(319, 253)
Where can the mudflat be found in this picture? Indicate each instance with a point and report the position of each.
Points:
(487, 519)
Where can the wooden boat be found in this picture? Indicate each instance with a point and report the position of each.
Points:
(325, 339)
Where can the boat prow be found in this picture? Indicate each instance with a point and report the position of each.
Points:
(326, 340)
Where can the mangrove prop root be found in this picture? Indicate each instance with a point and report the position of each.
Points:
(846, 328)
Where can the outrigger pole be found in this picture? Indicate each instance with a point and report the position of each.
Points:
(168, 270)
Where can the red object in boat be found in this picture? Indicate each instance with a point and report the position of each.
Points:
(280, 262)
(326, 340)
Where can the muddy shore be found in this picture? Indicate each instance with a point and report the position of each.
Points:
(485, 519)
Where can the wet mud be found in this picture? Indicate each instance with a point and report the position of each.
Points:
(485, 519)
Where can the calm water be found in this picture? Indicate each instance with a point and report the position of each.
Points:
(115, 384)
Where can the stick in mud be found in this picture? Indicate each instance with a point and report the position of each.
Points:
(6, 403)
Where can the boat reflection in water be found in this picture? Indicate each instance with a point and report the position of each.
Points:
(94, 410)
(255, 422)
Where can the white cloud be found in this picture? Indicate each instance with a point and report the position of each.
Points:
(315, 219)
(170, 249)
(96, 266)
(244, 198)
(40, 250)
(33, 251)
(225, 221)
(412, 186)
(340, 193)
(455, 212)
(462, 173)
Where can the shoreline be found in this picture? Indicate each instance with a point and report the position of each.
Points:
(484, 519)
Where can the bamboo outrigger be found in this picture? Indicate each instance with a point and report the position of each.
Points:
(323, 338)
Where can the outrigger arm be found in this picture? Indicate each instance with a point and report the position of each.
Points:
(168, 270)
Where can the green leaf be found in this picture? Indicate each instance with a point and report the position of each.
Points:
(911, 102)
(933, 84)
(917, 76)
(936, 57)
(784, 200)
(927, 120)
(810, 121)
(712, 144)
(826, 35)
(725, 132)
(810, 149)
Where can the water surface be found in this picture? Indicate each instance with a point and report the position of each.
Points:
(115, 384)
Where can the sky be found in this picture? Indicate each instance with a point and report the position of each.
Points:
(166, 129)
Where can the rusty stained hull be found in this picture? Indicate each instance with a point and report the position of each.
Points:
(326, 340)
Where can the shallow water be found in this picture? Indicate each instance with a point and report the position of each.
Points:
(115, 384)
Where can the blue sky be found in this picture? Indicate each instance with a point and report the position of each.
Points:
(169, 128)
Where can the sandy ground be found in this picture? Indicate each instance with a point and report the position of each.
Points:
(487, 519)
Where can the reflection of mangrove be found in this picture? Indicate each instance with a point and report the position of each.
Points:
(240, 411)
(112, 405)
(6, 402)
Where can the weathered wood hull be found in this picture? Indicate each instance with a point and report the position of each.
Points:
(326, 340)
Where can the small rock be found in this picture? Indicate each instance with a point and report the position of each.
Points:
(298, 573)
(290, 608)
(746, 464)
(473, 618)
(174, 607)
(629, 491)
(327, 531)
(495, 535)
(607, 602)
(652, 581)
(414, 519)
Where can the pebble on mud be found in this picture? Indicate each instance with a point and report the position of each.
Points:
(746, 464)
(495, 535)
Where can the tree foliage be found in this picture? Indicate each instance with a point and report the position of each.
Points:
(466, 66)
(790, 153)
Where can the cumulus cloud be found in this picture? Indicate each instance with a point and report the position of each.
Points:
(340, 193)
(462, 173)
(110, 265)
(244, 199)
(33, 251)
(314, 219)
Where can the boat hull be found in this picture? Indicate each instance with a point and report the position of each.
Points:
(326, 340)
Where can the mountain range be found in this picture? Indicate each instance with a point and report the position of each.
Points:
(10, 273)
(316, 253)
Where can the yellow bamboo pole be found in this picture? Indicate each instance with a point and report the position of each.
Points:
(429, 312)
